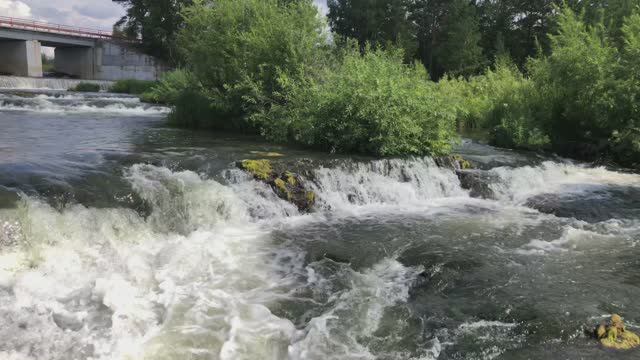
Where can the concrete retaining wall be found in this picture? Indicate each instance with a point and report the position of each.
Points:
(108, 61)
(116, 61)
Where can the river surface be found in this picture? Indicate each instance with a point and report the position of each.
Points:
(121, 238)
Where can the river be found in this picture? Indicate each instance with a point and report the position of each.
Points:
(121, 238)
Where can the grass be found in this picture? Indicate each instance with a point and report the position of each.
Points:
(86, 87)
(131, 86)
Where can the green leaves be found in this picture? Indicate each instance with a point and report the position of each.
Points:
(370, 104)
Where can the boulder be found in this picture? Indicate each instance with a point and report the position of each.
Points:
(453, 162)
(477, 182)
(287, 185)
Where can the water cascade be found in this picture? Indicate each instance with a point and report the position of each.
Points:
(19, 82)
(121, 238)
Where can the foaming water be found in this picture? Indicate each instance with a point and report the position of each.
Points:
(412, 182)
(519, 184)
(347, 330)
(76, 104)
(123, 239)
(192, 280)
(18, 82)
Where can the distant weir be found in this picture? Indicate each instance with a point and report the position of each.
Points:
(18, 82)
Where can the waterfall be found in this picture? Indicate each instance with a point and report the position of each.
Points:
(18, 82)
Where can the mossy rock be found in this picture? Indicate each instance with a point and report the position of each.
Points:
(454, 162)
(260, 169)
(286, 184)
(464, 163)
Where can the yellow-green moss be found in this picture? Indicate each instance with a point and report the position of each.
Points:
(282, 186)
(291, 179)
(311, 197)
(464, 164)
(260, 169)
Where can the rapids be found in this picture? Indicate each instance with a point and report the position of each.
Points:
(121, 238)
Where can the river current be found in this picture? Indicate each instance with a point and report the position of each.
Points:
(121, 238)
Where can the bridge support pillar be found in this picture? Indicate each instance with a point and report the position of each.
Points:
(21, 58)
(77, 61)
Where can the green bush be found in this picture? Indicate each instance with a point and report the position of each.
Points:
(86, 87)
(371, 104)
(502, 101)
(131, 86)
(170, 87)
(237, 49)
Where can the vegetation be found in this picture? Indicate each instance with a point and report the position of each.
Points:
(530, 74)
(156, 23)
(86, 87)
(47, 63)
(580, 101)
(372, 104)
(132, 86)
(237, 50)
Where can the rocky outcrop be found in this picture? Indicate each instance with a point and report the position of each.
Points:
(287, 185)
(453, 162)
(477, 182)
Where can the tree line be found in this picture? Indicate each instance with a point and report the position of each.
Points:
(398, 77)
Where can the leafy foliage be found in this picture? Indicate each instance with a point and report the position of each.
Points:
(237, 49)
(370, 104)
(86, 87)
(156, 23)
(132, 86)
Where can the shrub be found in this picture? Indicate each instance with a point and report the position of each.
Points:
(371, 104)
(86, 87)
(131, 86)
(237, 49)
(502, 101)
(170, 86)
(577, 86)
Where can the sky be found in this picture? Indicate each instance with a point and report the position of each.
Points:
(100, 14)
(97, 14)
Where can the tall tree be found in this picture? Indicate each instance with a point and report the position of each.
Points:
(374, 22)
(156, 23)
(448, 36)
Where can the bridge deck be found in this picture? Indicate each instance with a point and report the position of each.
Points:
(44, 27)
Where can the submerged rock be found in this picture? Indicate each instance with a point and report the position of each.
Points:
(287, 185)
(477, 182)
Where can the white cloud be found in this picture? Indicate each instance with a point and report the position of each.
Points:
(100, 14)
(13, 8)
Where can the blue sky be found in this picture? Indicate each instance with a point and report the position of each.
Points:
(83, 13)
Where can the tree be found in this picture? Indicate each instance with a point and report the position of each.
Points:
(374, 22)
(237, 50)
(156, 23)
(448, 36)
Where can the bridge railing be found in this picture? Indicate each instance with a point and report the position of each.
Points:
(41, 26)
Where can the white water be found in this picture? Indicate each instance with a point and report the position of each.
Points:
(26, 83)
(409, 183)
(519, 184)
(79, 104)
(196, 278)
(110, 284)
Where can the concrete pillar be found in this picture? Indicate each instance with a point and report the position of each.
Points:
(21, 58)
(77, 61)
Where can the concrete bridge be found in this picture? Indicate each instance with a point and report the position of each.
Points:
(84, 53)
